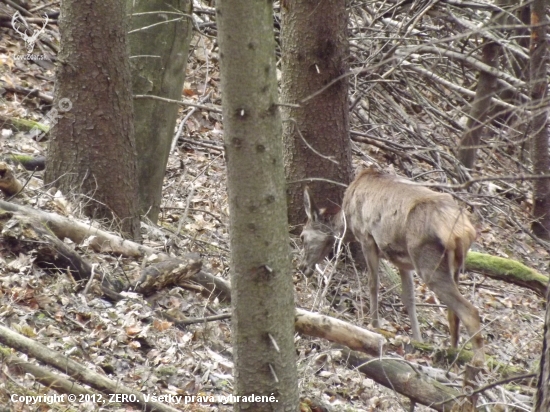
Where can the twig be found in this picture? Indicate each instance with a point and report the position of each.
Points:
(470, 182)
(212, 108)
(329, 158)
(471, 61)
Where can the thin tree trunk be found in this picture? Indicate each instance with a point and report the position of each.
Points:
(542, 398)
(539, 91)
(159, 57)
(481, 106)
(262, 289)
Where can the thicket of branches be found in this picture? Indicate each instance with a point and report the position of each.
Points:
(415, 68)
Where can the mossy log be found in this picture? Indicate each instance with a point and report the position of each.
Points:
(508, 270)
(17, 124)
(32, 163)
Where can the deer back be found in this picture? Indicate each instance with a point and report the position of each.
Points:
(400, 215)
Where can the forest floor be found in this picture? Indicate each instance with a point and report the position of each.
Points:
(127, 342)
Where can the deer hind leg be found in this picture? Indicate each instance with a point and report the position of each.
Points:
(454, 326)
(435, 272)
(454, 320)
(370, 250)
(466, 312)
(407, 297)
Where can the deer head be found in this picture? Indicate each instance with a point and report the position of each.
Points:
(318, 235)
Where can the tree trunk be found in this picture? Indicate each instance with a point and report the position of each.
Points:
(159, 57)
(92, 150)
(315, 51)
(481, 106)
(513, 120)
(539, 123)
(262, 288)
(542, 398)
(541, 164)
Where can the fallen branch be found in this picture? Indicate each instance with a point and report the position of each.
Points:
(49, 228)
(335, 330)
(209, 107)
(76, 370)
(392, 374)
(27, 92)
(17, 124)
(404, 378)
(508, 80)
(45, 377)
(32, 163)
(63, 227)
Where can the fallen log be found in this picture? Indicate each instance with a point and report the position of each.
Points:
(77, 371)
(62, 227)
(167, 273)
(307, 323)
(335, 330)
(508, 270)
(25, 233)
(406, 379)
(45, 377)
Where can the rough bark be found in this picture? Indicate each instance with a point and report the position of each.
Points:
(159, 57)
(92, 150)
(539, 123)
(315, 49)
(262, 288)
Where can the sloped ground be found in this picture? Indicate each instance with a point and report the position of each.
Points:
(411, 122)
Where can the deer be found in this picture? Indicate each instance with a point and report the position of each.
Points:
(413, 227)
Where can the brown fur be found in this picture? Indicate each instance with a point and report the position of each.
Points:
(397, 211)
(413, 227)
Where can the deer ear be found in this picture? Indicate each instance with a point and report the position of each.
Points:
(311, 211)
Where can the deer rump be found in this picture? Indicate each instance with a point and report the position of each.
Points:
(413, 227)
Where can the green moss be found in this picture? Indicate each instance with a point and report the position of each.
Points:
(482, 262)
(26, 125)
(166, 371)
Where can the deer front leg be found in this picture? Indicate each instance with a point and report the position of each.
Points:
(454, 321)
(371, 252)
(407, 297)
